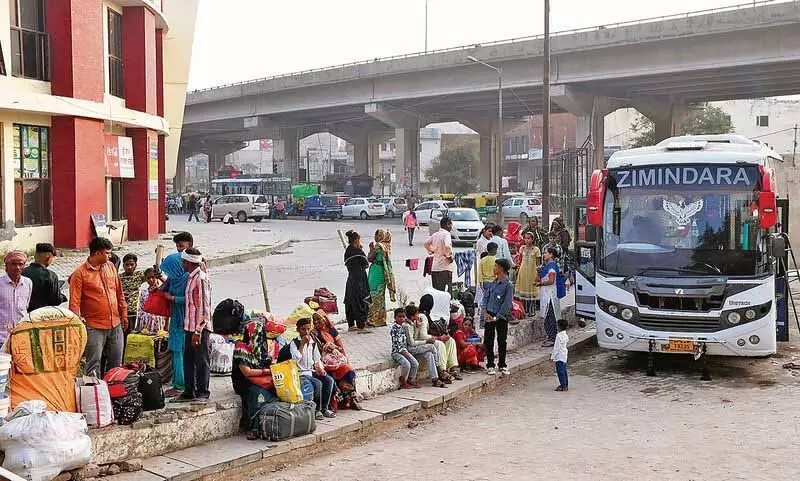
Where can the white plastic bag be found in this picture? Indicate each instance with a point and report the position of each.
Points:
(94, 401)
(221, 354)
(42, 444)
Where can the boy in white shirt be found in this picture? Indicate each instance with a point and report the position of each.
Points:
(559, 355)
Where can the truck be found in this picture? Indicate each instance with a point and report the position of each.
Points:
(322, 207)
(684, 249)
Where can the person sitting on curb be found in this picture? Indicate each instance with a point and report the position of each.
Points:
(408, 363)
(470, 346)
(425, 349)
(228, 219)
(418, 330)
(435, 327)
(309, 361)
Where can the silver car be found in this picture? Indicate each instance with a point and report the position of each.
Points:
(467, 224)
(395, 206)
(522, 208)
(243, 207)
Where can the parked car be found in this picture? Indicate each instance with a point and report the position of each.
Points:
(322, 207)
(361, 207)
(467, 223)
(522, 208)
(424, 209)
(243, 206)
(395, 206)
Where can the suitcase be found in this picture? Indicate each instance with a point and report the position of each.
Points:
(280, 421)
(121, 381)
(150, 387)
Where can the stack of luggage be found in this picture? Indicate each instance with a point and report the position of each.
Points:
(326, 299)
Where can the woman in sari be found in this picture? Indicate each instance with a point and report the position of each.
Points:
(470, 346)
(175, 286)
(381, 277)
(251, 375)
(526, 288)
(356, 291)
(334, 357)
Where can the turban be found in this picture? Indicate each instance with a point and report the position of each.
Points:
(15, 256)
(193, 258)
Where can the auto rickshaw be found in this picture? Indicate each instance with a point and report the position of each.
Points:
(485, 203)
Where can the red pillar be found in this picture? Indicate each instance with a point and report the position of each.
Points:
(162, 186)
(78, 179)
(139, 55)
(77, 168)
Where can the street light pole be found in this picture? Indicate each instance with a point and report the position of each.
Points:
(500, 132)
(426, 26)
(546, 120)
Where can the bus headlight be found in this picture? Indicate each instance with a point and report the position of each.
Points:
(627, 314)
(750, 314)
(740, 343)
(734, 317)
(613, 309)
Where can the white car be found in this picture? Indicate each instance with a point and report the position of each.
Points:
(467, 223)
(242, 206)
(361, 207)
(423, 210)
(395, 206)
(522, 208)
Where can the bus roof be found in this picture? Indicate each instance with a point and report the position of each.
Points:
(240, 180)
(692, 149)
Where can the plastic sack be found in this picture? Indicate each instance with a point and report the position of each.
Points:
(40, 445)
(286, 377)
(273, 325)
(303, 311)
(94, 401)
(221, 354)
(140, 347)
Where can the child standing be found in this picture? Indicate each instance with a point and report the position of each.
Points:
(485, 276)
(559, 355)
(497, 300)
(408, 363)
(548, 295)
(144, 320)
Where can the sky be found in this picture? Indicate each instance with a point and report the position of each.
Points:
(237, 40)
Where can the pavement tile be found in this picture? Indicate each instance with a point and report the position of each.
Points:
(344, 423)
(428, 396)
(171, 469)
(274, 448)
(302, 441)
(326, 431)
(366, 418)
(134, 476)
(219, 455)
(456, 389)
(390, 406)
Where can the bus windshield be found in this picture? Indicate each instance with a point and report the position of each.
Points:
(677, 224)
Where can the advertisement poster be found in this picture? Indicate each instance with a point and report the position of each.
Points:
(153, 174)
(118, 154)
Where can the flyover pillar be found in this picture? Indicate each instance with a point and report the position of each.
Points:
(666, 115)
(407, 160)
(291, 162)
(179, 181)
(591, 111)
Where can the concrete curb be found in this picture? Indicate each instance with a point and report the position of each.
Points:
(240, 257)
(230, 458)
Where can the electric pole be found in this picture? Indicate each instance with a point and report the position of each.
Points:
(794, 149)
(546, 121)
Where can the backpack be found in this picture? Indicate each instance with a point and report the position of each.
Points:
(280, 421)
(228, 317)
(151, 389)
(121, 381)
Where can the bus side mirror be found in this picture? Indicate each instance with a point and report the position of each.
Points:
(776, 246)
(596, 197)
(767, 209)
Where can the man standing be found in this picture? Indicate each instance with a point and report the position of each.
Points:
(15, 293)
(197, 327)
(192, 205)
(440, 245)
(46, 289)
(95, 294)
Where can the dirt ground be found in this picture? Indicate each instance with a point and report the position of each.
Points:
(613, 424)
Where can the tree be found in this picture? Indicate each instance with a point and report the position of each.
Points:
(456, 169)
(701, 121)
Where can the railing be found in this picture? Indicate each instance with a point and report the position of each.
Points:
(662, 18)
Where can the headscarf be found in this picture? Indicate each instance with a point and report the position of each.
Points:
(512, 234)
(252, 350)
(177, 278)
(15, 256)
(383, 238)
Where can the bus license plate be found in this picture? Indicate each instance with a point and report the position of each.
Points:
(679, 345)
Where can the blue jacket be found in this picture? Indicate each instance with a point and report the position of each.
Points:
(498, 297)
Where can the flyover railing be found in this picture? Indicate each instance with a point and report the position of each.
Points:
(677, 16)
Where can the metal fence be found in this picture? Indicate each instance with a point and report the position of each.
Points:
(569, 181)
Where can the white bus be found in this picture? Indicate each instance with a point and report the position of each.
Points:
(682, 261)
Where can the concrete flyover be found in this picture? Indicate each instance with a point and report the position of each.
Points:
(657, 65)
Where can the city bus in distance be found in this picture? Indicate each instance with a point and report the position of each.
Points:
(271, 186)
(683, 261)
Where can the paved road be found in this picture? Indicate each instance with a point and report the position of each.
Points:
(613, 424)
(315, 259)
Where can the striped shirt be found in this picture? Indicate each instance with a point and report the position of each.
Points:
(14, 299)
(198, 302)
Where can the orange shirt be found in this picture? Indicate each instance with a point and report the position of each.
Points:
(96, 295)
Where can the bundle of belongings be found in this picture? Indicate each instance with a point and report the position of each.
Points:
(325, 299)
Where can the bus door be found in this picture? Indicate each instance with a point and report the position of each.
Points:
(585, 241)
(782, 275)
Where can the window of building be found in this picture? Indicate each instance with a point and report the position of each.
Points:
(762, 121)
(32, 188)
(30, 54)
(115, 85)
(117, 199)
